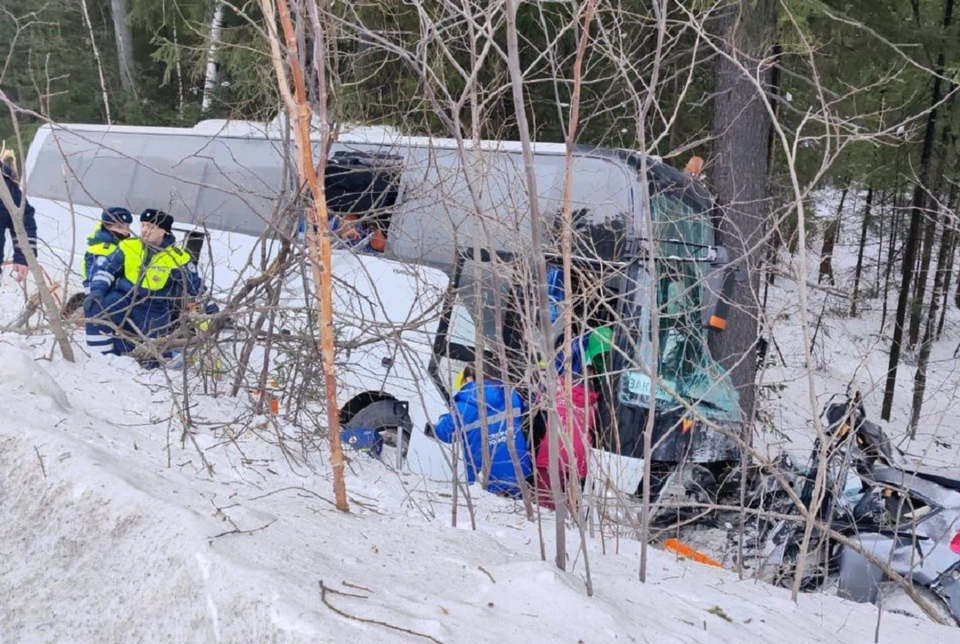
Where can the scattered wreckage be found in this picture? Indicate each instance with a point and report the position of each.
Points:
(875, 512)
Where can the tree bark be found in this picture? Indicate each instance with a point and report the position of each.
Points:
(947, 284)
(881, 233)
(891, 256)
(210, 76)
(536, 243)
(318, 233)
(741, 126)
(945, 269)
(916, 218)
(96, 56)
(123, 33)
(939, 292)
(858, 271)
(830, 235)
(923, 269)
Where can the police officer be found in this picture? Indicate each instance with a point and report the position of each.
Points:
(114, 227)
(140, 287)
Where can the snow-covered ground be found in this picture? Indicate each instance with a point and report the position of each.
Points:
(853, 351)
(113, 529)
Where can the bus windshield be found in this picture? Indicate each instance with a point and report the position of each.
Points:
(685, 366)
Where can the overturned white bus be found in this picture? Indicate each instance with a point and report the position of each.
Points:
(456, 221)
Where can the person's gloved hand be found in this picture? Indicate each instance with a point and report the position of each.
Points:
(20, 272)
(91, 301)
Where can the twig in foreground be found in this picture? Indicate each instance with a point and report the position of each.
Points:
(323, 598)
(40, 458)
(237, 531)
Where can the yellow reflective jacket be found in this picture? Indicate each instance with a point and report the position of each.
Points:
(155, 274)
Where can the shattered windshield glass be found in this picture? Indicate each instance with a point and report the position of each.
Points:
(685, 366)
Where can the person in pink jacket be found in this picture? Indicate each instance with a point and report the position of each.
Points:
(582, 426)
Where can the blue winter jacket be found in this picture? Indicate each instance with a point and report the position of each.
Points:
(577, 348)
(466, 415)
(150, 310)
(555, 291)
(100, 245)
(6, 221)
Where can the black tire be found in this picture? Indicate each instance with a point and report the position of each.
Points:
(385, 416)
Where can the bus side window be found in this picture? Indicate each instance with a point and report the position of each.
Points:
(362, 190)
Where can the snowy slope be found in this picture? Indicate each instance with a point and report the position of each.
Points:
(113, 530)
(108, 531)
(854, 350)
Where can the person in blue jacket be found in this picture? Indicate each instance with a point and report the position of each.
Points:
(113, 228)
(142, 285)
(20, 269)
(466, 417)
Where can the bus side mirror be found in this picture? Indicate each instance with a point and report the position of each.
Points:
(718, 289)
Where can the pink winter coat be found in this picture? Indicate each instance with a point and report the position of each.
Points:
(584, 414)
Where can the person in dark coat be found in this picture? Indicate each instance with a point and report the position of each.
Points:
(113, 228)
(141, 285)
(20, 269)
(465, 420)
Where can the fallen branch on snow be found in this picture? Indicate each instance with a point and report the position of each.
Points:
(323, 597)
(239, 531)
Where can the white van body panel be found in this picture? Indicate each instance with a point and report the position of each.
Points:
(230, 178)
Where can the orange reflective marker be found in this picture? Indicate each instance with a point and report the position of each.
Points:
(687, 552)
(718, 323)
(694, 165)
(686, 425)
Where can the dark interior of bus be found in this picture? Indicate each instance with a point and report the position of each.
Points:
(364, 185)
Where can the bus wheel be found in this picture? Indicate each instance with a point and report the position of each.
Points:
(386, 417)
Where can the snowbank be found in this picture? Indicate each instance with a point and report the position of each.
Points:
(111, 530)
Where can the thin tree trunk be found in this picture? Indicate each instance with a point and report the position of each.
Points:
(891, 255)
(920, 377)
(210, 77)
(863, 242)
(123, 33)
(536, 243)
(920, 288)
(566, 244)
(775, 240)
(945, 267)
(881, 231)
(318, 234)
(96, 56)
(830, 236)
(180, 99)
(946, 146)
(956, 297)
(947, 274)
(916, 218)
(660, 13)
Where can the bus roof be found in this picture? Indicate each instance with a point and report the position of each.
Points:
(349, 133)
